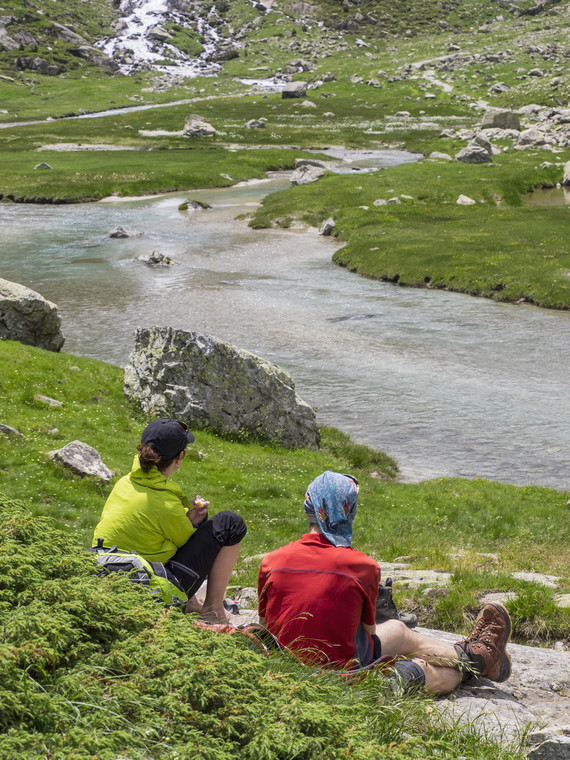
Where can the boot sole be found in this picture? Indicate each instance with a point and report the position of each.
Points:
(505, 664)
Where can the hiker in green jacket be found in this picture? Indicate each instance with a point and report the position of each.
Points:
(149, 514)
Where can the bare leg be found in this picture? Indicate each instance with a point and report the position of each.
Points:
(436, 658)
(192, 605)
(213, 610)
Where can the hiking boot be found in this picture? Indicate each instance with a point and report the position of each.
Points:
(483, 652)
(387, 610)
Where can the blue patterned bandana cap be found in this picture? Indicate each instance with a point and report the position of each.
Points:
(331, 499)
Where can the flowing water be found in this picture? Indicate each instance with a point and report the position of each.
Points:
(447, 384)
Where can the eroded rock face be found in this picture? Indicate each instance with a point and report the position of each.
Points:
(28, 317)
(210, 383)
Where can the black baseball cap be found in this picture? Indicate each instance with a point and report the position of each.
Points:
(169, 437)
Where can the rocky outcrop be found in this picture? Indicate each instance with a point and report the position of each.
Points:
(82, 460)
(198, 126)
(28, 317)
(210, 383)
(566, 176)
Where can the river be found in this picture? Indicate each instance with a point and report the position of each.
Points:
(447, 384)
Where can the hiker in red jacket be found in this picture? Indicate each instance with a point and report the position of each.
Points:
(317, 595)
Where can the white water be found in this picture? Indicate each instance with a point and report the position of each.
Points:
(140, 16)
(447, 384)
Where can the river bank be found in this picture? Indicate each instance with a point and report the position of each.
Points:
(373, 359)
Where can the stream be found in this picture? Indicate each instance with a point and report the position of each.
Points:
(447, 384)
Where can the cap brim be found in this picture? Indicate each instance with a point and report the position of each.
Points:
(189, 437)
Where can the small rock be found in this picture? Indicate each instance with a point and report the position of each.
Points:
(255, 124)
(124, 232)
(43, 165)
(47, 400)
(464, 200)
(380, 202)
(157, 260)
(327, 227)
(83, 460)
(9, 430)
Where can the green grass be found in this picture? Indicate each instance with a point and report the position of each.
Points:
(92, 667)
(497, 248)
(441, 524)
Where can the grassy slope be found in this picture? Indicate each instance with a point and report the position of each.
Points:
(92, 667)
(527, 527)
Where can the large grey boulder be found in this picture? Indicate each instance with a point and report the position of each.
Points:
(210, 383)
(82, 460)
(474, 154)
(500, 118)
(306, 173)
(294, 90)
(28, 317)
(198, 126)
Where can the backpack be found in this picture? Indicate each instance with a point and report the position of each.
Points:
(140, 570)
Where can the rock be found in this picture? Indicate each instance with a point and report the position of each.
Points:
(380, 202)
(198, 126)
(501, 119)
(550, 581)
(473, 154)
(124, 232)
(534, 694)
(43, 165)
(327, 227)
(8, 43)
(159, 34)
(83, 460)
(442, 156)
(210, 383)
(48, 401)
(482, 142)
(158, 260)
(308, 104)
(27, 317)
(255, 124)
(66, 34)
(9, 430)
(566, 177)
(294, 90)
(532, 136)
(194, 205)
(395, 200)
(41, 65)
(403, 115)
(307, 173)
(464, 200)
(498, 88)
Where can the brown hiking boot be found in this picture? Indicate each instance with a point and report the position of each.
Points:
(484, 651)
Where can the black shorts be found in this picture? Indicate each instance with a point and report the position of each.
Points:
(191, 564)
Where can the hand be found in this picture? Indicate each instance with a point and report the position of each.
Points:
(199, 512)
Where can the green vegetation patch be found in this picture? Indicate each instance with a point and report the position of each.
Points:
(497, 247)
(479, 531)
(92, 667)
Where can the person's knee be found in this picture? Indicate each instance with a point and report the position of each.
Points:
(228, 527)
(392, 628)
